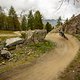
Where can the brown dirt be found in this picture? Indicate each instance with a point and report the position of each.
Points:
(49, 66)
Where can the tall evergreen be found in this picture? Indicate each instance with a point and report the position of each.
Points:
(24, 23)
(2, 18)
(30, 23)
(59, 21)
(48, 27)
(5, 23)
(38, 20)
(13, 22)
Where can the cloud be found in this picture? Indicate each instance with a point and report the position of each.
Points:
(48, 8)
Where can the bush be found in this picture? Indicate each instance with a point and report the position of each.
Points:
(23, 35)
(48, 27)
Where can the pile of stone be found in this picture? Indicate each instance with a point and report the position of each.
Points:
(32, 36)
(9, 45)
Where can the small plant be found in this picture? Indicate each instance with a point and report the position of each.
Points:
(23, 35)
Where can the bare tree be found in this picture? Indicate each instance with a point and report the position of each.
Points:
(62, 1)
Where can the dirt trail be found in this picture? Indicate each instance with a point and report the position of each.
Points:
(48, 66)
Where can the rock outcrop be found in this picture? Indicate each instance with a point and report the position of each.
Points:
(73, 25)
(35, 36)
(31, 36)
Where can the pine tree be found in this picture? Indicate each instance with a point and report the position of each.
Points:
(13, 22)
(16, 23)
(59, 21)
(30, 23)
(24, 23)
(48, 27)
(4, 22)
(38, 20)
(2, 18)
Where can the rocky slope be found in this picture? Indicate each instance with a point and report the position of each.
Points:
(72, 26)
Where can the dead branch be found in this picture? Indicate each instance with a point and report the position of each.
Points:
(62, 1)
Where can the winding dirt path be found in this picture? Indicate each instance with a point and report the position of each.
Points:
(49, 66)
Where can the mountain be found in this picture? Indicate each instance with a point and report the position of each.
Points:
(72, 26)
(51, 21)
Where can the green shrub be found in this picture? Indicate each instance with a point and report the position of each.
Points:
(23, 35)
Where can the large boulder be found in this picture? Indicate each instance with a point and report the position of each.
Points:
(13, 42)
(35, 36)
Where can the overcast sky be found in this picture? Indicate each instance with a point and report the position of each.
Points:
(48, 8)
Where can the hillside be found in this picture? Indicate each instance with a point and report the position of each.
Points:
(72, 26)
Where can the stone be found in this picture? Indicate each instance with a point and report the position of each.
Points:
(5, 54)
(35, 36)
(14, 41)
(3, 63)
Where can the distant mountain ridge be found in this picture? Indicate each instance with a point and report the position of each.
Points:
(53, 22)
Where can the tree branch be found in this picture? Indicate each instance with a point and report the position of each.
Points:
(62, 1)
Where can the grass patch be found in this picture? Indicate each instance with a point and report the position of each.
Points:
(42, 47)
(4, 35)
(31, 51)
(6, 32)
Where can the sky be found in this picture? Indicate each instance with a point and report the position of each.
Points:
(48, 8)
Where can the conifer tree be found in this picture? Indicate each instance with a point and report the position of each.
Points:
(48, 27)
(2, 18)
(13, 22)
(38, 20)
(24, 23)
(30, 23)
(59, 21)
